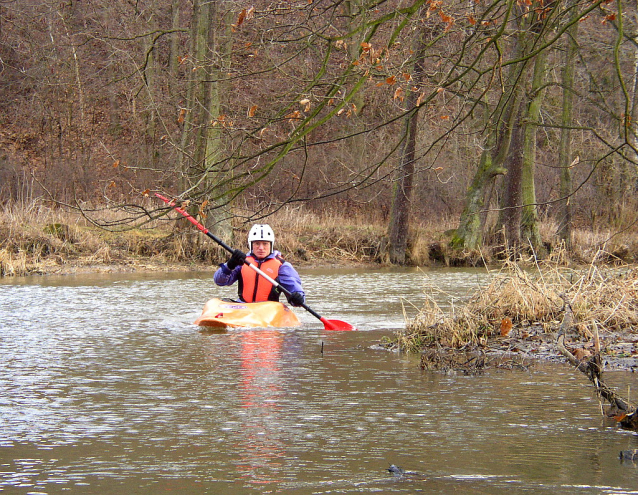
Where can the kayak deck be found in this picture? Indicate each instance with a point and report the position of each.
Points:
(222, 314)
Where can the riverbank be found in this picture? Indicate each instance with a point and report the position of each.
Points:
(516, 319)
(41, 241)
(38, 240)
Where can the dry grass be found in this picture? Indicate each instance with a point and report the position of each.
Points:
(603, 295)
(36, 238)
(33, 237)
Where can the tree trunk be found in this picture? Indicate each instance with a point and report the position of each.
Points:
(469, 234)
(511, 206)
(356, 144)
(500, 123)
(529, 221)
(565, 145)
(399, 225)
(202, 123)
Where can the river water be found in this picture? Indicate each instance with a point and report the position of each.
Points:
(106, 387)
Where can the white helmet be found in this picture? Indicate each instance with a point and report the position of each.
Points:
(261, 232)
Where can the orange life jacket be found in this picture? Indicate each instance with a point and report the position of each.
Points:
(255, 288)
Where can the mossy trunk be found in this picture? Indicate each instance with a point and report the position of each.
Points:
(565, 160)
(529, 219)
(202, 139)
(469, 234)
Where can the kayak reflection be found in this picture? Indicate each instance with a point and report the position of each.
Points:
(261, 393)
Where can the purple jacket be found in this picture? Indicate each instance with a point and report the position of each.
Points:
(288, 277)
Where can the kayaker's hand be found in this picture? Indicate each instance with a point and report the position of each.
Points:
(296, 299)
(236, 259)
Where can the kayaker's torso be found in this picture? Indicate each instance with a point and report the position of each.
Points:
(282, 272)
(252, 286)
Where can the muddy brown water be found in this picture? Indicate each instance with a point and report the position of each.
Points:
(107, 387)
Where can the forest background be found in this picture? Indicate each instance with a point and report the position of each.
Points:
(392, 131)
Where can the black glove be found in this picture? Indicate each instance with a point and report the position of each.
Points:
(236, 259)
(296, 299)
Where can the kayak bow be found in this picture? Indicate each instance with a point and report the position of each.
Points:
(230, 314)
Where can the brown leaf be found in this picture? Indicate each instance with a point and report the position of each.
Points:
(252, 110)
(581, 354)
(116, 164)
(241, 18)
(610, 17)
(506, 327)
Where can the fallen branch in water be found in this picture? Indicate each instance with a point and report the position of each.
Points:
(620, 409)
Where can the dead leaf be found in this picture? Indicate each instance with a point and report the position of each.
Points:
(240, 20)
(506, 327)
(581, 354)
(252, 110)
(294, 115)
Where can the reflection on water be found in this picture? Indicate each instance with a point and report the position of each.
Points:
(107, 387)
(260, 393)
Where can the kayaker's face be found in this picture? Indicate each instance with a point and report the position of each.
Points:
(261, 249)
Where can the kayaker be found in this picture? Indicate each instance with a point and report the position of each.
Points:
(252, 286)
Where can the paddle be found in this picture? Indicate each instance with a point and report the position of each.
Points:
(328, 324)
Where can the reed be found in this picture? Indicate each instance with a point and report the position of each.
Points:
(601, 295)
(35, 236)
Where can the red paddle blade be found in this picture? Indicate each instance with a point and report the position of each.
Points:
(337, 325)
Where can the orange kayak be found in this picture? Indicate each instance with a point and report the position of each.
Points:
(222, 314)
